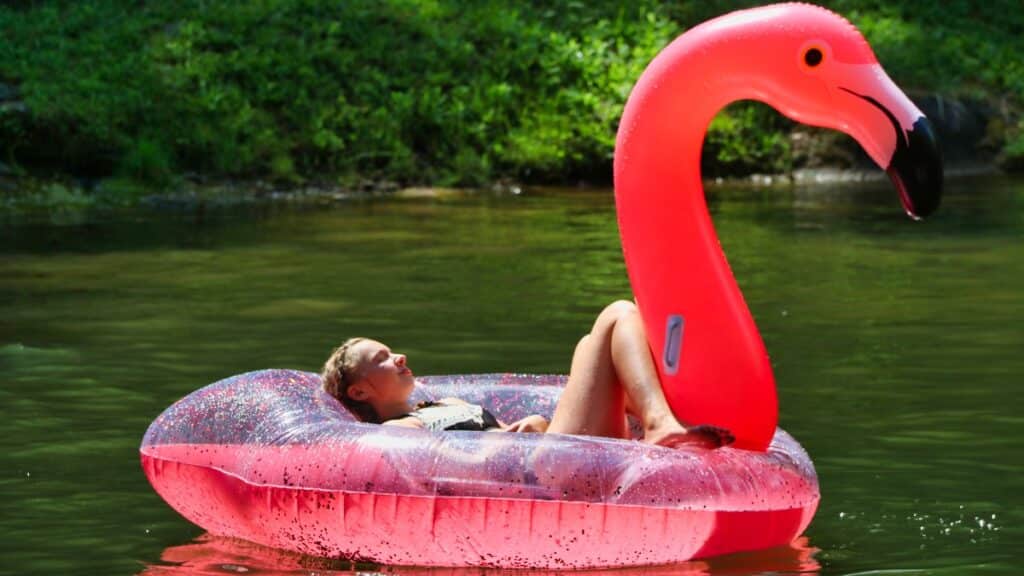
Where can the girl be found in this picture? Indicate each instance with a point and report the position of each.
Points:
(612, 375)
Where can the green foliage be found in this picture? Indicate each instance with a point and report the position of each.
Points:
(958, 47)
(147, 160)
(1012, 157)
(63, 203)
(746, 138)
(413, 91)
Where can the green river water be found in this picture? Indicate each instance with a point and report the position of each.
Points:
(898, 348)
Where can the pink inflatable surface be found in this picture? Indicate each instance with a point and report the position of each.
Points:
(268, 457)
(211, 555)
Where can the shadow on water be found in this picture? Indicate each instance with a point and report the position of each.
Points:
(190, 224)
(146, 228)
(977, 206)
(981, 205)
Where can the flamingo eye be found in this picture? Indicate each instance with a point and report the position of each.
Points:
(813, 57)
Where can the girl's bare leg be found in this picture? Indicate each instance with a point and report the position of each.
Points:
(612, 372)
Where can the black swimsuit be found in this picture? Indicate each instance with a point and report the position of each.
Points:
(436, 417)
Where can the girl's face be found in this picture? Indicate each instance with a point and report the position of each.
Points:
(381, 376)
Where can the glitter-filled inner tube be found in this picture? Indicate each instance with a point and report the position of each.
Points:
(269, 457)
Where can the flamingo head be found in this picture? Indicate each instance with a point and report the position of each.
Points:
(816, 68)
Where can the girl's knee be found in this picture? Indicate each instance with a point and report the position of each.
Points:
(610, 316)
(618, 309)
(582, 343)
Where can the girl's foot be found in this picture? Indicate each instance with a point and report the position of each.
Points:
(703, 436)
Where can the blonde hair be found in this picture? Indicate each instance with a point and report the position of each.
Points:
(339, 373)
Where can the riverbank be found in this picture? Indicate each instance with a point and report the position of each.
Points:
(67, 201)
(415, 93)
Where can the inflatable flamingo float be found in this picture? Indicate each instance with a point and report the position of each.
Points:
(814, 67)
(268, 457)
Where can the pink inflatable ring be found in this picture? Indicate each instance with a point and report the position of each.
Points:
(268, 457)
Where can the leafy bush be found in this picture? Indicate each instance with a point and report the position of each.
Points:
(1012, 157)
(412, 91)
(746, 138)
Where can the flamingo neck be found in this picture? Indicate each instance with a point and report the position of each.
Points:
(720, 372)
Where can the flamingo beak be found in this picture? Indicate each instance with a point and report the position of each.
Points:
(916, 170)
(901, 140)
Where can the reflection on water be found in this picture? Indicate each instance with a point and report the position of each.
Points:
(896, 346)
(214, 555)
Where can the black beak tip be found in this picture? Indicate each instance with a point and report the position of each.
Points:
(916, 170)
